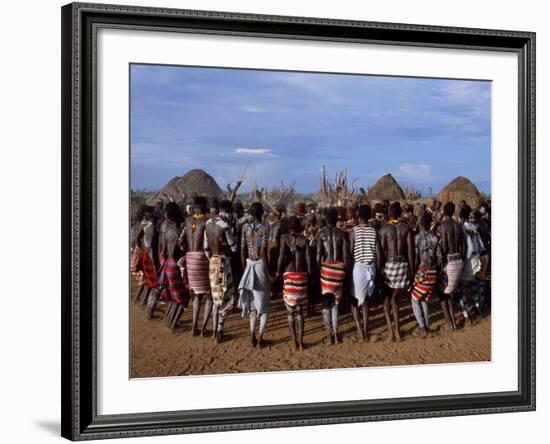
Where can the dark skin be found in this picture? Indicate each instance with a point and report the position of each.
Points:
(218, 240)
(452, 242)
(148, 237)
(220, 243)
(436, 213)
(258, 250)
(273, 240)
(483, 230)
(192, 239)
(192, 235)
(332, 245)
(311, 234)
(432, 261)
(136, 244)
(236, 259)
(362, 331)
(395, 240)
(294, 256)
(169, 249)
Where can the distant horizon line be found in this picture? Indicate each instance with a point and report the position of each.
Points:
(423, 192)
(481, 185)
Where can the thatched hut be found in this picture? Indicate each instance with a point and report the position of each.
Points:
(182, 188)
(460, 188)
(386, 188)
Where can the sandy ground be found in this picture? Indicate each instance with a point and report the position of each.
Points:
(158, 352)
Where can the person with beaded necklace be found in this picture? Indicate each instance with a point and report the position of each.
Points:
(196, 262)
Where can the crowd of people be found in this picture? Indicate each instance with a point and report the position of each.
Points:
(220, 255)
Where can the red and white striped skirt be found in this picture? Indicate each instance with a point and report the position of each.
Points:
(424, 283)
(295, 288)
(332, 278)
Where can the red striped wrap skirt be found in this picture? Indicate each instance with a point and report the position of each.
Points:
(174, 283)
(332, 279)
(295, 288)
(149, 272)
(424, 283)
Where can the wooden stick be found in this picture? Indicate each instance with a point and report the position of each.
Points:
(238, 184)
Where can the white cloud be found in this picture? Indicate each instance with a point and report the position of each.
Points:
(254, 151)
(417, 171)
(252, 109)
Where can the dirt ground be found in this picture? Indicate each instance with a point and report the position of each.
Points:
(158, 352)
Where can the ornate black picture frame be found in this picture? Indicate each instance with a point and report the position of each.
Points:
(80, 22)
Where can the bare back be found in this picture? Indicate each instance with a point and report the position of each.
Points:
(452, 237)
(219, 239)
(254, 241)
(169, 240)
(294, 254)
(395, 239)
(332, 245)
(193, 234)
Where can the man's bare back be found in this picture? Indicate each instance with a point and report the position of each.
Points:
(452, 238)
(396, 241)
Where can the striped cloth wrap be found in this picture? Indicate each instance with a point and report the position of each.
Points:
(146, 265)
(451, 274)
(173, 283)
(424, 282)
(197, 266)
(295, 288)
(332, 279)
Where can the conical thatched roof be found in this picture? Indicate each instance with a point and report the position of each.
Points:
(460, 188)
(386, 188)
(180, 189)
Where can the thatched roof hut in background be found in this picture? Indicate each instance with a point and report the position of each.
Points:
(386, 188)
(460, 188)
(181, 189)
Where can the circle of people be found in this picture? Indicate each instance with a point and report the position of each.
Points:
(221, 256)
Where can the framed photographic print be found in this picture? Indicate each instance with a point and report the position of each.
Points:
(277, 221)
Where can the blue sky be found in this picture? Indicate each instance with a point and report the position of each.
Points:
(287, 125)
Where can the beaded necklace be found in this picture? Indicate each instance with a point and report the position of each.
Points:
(196, 217)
